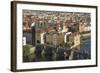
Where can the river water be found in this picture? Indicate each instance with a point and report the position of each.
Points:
(84, 52)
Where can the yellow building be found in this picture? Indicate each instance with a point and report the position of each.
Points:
(76, 40)
(81, 27)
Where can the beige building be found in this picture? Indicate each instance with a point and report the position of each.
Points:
(76, 40)
(81, 27)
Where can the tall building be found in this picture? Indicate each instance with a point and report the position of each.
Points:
(74, 40)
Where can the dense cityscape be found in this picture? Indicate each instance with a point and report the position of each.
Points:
(56, 36)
